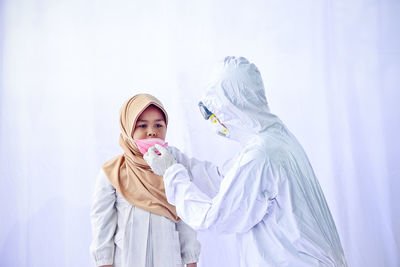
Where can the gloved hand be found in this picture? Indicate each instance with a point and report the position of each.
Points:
(159, 163)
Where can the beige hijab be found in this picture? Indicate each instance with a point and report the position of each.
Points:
(129, 173)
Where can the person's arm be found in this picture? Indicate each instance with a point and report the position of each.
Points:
(206, 175)
(190, 246)
(242, 201)
(104, 221)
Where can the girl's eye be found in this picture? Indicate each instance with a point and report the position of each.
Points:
(142, 125)
(159, 125)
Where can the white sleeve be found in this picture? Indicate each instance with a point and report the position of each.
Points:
(190, 246)
(204, 174)
(240, 204)
(104, 221)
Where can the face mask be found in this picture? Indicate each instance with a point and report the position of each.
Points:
(145, 144)
(218, 126)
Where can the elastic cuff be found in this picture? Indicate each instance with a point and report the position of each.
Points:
(190, 257)
(102, 262)
(173, 166)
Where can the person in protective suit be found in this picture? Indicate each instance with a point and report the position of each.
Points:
(270, 197)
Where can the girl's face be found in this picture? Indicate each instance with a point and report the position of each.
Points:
(150, 124)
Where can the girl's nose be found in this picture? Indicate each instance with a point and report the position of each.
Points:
(151, 133)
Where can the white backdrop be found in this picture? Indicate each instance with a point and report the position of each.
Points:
(331, 71)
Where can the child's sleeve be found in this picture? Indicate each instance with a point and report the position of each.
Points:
(190, 246)
(104, 221)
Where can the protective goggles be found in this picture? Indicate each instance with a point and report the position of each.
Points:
(208, 115)
(204, 111)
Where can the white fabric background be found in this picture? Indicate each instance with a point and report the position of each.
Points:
(331, 71)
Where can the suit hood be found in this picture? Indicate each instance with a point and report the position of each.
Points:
(236, 95)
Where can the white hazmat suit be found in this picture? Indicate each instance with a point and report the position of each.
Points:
(270, 196)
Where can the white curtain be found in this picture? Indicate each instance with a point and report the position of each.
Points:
(331, 71)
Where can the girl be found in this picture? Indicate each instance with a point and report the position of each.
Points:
(133, 225)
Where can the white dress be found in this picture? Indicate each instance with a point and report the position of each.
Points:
(127, 236)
